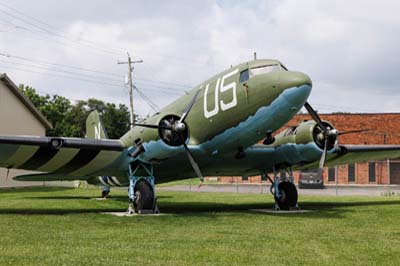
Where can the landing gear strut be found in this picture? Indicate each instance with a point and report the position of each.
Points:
(105, 192)
(284, 190)
(142, 196)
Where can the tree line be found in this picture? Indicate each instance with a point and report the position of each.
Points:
(69, 119)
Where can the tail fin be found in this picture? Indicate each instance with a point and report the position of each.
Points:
(94, 127)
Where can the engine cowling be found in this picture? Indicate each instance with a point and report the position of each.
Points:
(172, 132)
(306, 132)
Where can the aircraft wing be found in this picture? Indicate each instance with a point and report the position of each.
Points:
(345, 154)
(262, 158)
(66, 156)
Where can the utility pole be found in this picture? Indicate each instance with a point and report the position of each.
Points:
(130, 70)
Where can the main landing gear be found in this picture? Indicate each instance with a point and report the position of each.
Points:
(105, 192)
(284, 191)
(142, 196)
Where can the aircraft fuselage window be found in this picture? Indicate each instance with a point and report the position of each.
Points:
(264, 70)
(244, 76)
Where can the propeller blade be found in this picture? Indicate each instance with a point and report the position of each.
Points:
(153, 126)
(353, 131)
(322, 160)
(194, 164)
(315, 116)
(189, 107)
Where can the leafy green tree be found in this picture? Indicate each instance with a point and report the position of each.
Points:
(116, 120)
(39, 101)
(69, 120)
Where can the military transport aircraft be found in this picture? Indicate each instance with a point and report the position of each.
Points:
(211, 131)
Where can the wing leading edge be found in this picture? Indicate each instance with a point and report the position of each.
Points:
(345, 154)
(264, 158)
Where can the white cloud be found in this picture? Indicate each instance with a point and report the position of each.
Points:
(349, 48)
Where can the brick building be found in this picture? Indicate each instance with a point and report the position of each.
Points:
(384, 128)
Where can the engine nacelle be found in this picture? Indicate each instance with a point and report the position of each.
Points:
(306, 132)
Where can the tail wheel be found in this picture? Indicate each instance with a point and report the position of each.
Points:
(144, 196)
(288, 195)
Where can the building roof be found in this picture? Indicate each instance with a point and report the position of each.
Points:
(383, 128)
(14, 89)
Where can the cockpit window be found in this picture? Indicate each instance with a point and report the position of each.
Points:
(283, 67)
(244, 76)
(264, 70)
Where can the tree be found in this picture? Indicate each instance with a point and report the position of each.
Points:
(116, 120)
(69, 120)
(39, 101)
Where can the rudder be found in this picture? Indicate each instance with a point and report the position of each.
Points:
(94, 126)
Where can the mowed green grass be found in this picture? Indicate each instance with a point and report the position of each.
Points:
(58, 226)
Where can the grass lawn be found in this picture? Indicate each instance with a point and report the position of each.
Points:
(58, 226)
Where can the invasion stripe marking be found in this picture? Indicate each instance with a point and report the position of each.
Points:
(81, 159)
(60, 159)
(103, 159)
(6, 151)
(115, 180)
(102, 181)
(109, 181)
(42, 156)
(23, 154)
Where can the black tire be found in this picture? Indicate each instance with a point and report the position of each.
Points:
(288, 198)
(105, 194)
(144, 196)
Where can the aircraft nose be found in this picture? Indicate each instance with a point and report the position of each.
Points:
(296, 87)
(291, 79)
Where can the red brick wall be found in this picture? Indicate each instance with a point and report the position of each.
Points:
(383, 128)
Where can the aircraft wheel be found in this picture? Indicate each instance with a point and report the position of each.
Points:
(105, 194)
(288, 198)
(144, 196)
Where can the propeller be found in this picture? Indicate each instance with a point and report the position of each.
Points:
(353, 131)
(315, 116)
(173, 131)
(327, 134)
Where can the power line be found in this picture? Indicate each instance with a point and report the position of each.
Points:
(62, 76)
(158, 83)
(47, 29)
(61, 65)
(53, 29)
(63, 71)
(148, 87)
(146, 99)
(35, 34)
(97, 79)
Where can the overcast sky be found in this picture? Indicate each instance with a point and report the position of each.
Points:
(350, 49)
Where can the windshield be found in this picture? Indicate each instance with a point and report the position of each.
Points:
(264, 70)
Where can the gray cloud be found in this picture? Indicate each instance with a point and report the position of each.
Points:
(350, 49)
